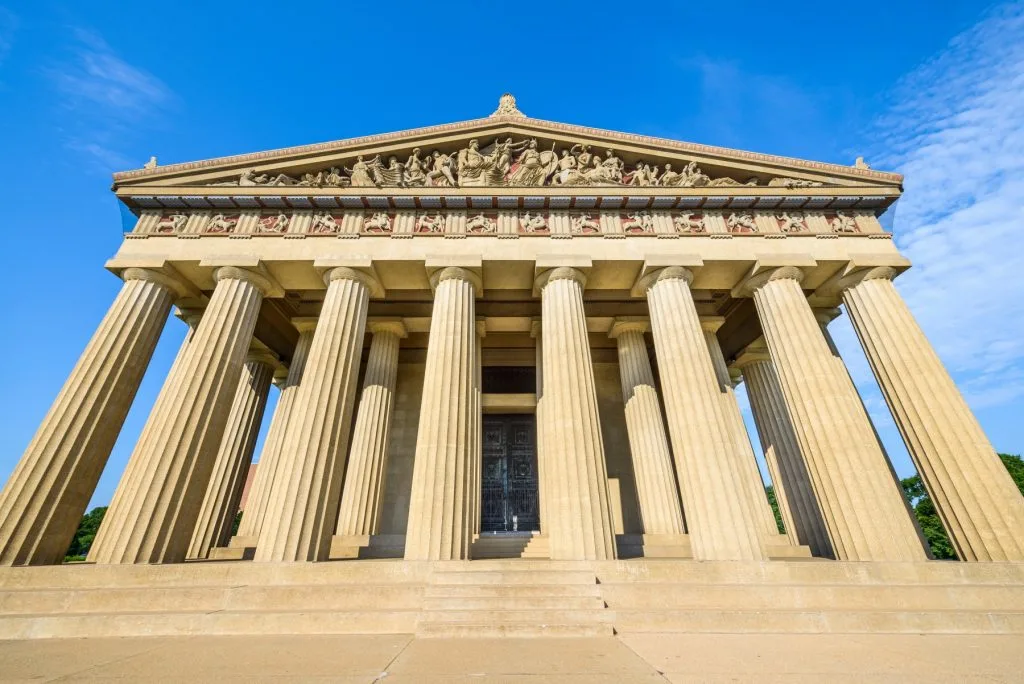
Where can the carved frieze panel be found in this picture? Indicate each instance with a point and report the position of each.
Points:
(688, 223)
(741, 223)
(790, 222)
(170, 223)
(378, 223)
(326, 223)
(221, 224)
(274, 223)
(585, 223)
(842, 222)
(481, 224)
(637, 223)
(431, 223)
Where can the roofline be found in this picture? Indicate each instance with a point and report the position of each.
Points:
(512, 119)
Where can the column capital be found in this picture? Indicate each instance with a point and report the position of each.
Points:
(305, 324)
(395, 326)
(257, 276)
(259, 353)
(755, 352)
(650, 279)
(191, 317)
(457, 273)
(624, 324)
(711, 324)
(825, 315)
(559, 273)
(857, 277)
(361, 276)
(166, 277)
(761, 278)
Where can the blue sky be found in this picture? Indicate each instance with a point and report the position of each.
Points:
(931, 89)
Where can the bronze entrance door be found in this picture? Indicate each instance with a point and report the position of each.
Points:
(509, 501)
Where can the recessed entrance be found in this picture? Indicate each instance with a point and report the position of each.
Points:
(509, 501)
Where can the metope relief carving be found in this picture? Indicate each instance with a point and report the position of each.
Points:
(378, 223)
(506, 162)
(325, 223)
(741, 223)
(687, 223)
(430, 223)
(174, 223)
(481, 224)
(221, 224)
(584, 224)
(534, 223)
(791, 223)
(843, 223)
(273, 224)
(638, 223)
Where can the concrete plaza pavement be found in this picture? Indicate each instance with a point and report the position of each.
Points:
(397, 659)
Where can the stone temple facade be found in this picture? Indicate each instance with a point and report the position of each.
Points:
(500, 338)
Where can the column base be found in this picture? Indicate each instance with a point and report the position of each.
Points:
(653, 546)
(345, 547)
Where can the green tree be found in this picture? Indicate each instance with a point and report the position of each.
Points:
(87, 529)
(928, 517)
(773, 501)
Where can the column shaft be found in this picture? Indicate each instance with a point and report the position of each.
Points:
(440, 510)
(153, 513)
(363, 492)
(977, 500)
(863, 507)
(302, 514)
(231, 465)
(46, 495)
(270, 458)
(744, 452)
(576, 473)
(721, 520)
(656, 487)
(542, 457)
(793, 490)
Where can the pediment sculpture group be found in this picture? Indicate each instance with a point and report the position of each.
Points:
(509, 164)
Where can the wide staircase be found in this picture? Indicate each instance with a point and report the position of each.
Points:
(514, 598)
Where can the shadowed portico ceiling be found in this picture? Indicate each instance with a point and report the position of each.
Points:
(506, 160)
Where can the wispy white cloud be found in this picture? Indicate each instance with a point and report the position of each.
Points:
(955, 128)
(104, 99)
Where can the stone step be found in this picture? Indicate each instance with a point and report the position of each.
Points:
(537, 616)
(822, 621)
(469, 630)
(501, 603)
(512, 591)
(170, 599)
(670, 596)
(513, 577)
(73, 625)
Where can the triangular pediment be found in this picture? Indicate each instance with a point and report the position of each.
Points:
(505, 151)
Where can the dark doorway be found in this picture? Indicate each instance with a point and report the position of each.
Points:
(509, 501)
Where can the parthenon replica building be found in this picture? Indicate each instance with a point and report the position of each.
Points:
(507, 338)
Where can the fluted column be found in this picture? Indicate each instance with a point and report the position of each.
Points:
(270, 458)
(153, 513)
(660, 509)
(231, 465)
(542, 458)
(860, 500)
(744, 452)
(304, 499)
(477, 460)
(440, 510)
(46, 495)
(793, 491)
(720, 518)
(362, 496)
(977, 500)
(576, 474)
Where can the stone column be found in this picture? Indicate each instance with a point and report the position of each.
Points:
(576, 474)
(440, 509)
(367, 462)
(477, 462)
(744, 452)
(153, 513)
(304, 499)
(542, 459)
(860, 500)
(46, 495)
(648, 443)
(231, 465)
(270, 458)
(977, 500)
(793, 490)
(722, 523)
